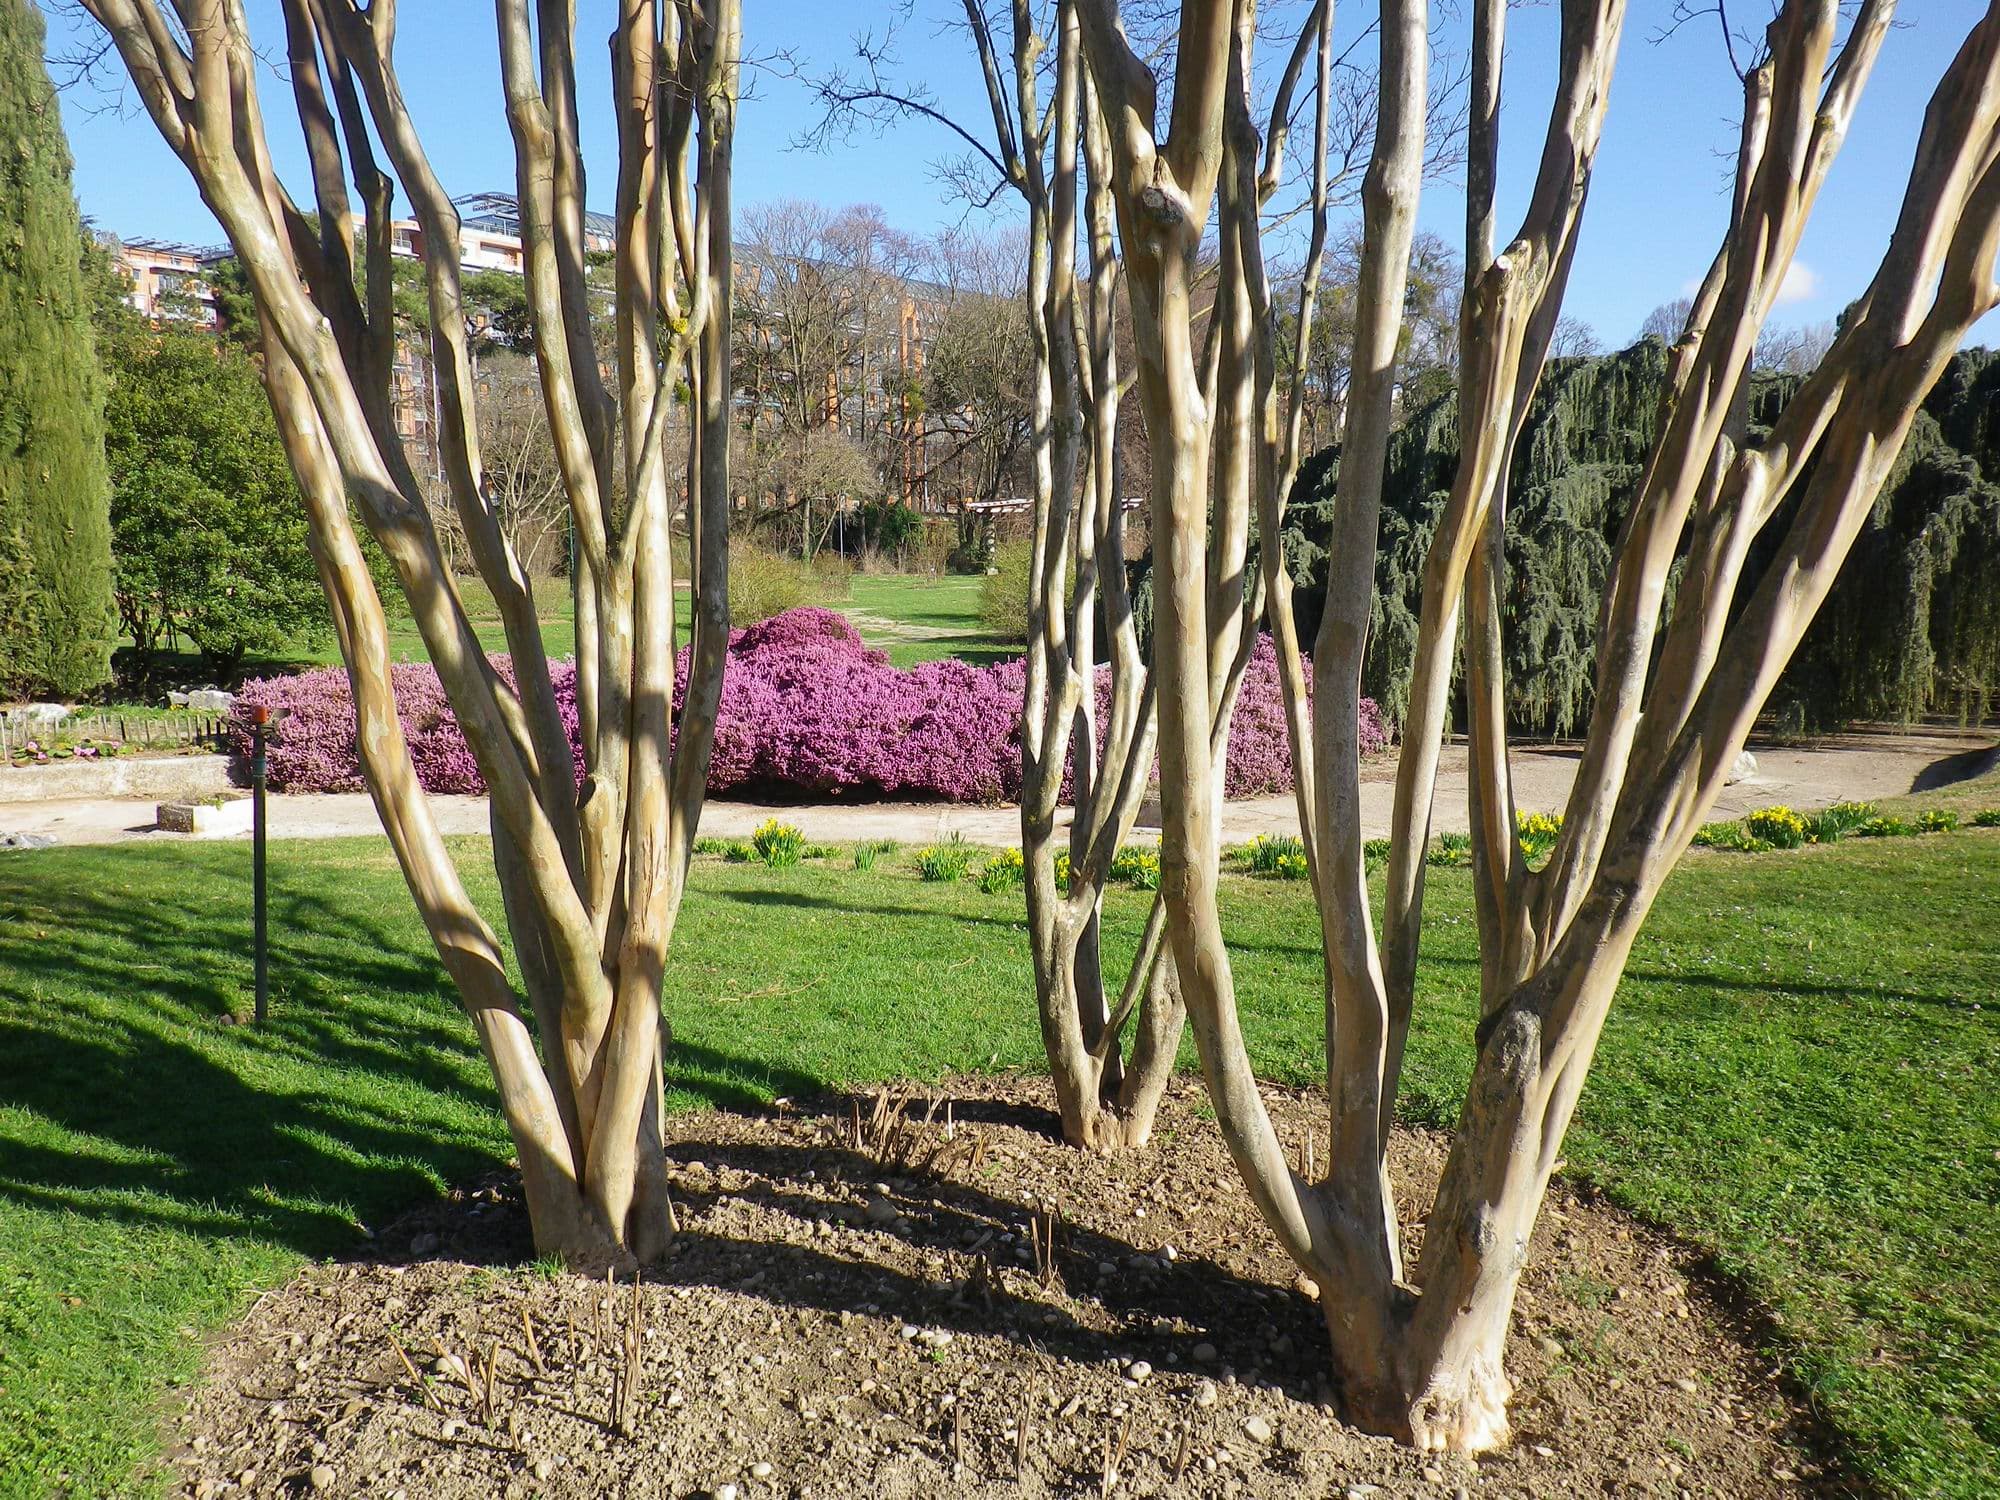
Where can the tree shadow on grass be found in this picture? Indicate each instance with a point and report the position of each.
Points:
(1950, 769)
(131, 1090)
(128, 1091)
(803, 900)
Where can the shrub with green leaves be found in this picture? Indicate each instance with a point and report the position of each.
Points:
(1936, 820)
(1003, 597)
(208, 531)
(946, 861)
(1003, 872)
(763, 584)
(1987, 818)
(778, 844)
(869, 850)
(1375, 854)
(1778, 826)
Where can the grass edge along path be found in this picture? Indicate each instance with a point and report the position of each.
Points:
(1796, 1076)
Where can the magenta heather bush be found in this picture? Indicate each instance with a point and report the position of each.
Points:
(806, 708)
(311, 746)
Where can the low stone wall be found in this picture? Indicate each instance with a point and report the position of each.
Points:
(162, 778)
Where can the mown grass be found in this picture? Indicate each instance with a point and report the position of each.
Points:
(948, 605)
(942, 615)
(1798, 1075)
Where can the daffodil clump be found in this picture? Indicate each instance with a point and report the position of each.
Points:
(778, 844)
(1139, 867)
(1776, 827)
(947, 861)
(1278, 854)
(1538, 832)
(1003, 872)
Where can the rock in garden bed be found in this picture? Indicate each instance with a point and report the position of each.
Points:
(835, 1323)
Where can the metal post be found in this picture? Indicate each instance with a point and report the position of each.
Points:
(260, 716)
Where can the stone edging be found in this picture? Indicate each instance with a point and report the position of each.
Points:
(165, 777)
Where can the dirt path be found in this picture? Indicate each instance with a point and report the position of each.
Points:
(882, 626)
(1856, 767)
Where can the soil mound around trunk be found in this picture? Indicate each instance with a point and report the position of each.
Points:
(862, 1301)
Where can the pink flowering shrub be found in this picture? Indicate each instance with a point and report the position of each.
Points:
(806, 709)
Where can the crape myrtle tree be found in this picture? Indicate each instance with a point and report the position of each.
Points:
(1042, 122)
(1418, 1342)
(1048, 140)
(591, 878)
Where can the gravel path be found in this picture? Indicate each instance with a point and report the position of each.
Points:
(1864, 766)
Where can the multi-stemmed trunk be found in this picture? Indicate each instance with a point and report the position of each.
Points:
(591, 878)
(1419, 1350)
(1106, 1097)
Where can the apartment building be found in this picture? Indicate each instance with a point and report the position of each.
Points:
(168, 279)
(489, 233)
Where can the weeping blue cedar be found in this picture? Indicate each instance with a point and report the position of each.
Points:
(1912, 626)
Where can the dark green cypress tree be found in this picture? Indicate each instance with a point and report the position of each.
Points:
(56, 620)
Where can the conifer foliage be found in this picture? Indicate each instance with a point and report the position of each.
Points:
(55, 536)
(1912, 626)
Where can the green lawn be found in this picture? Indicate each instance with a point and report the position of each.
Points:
(913, 619)
(922, 619)
(1799, 1074)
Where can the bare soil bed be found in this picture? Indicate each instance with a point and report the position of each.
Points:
(883, 1321)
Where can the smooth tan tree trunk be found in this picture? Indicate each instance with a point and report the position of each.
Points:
(591, 878)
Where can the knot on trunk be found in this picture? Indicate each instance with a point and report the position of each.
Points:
(1477, 1232)
(1160, 205)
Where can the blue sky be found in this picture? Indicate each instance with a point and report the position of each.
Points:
(1658, 200)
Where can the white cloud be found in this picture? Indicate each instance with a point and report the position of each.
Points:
(1801, 284)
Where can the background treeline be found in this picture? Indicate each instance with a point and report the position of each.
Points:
(1912, 626)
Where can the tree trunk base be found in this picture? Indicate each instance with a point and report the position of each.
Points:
(566, 1226)
(1463, 1411)
(1107, 1132)
(1456, 1403)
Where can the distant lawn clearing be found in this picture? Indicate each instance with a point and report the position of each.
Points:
(1798, 1074)
(912, 618)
